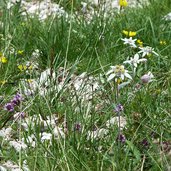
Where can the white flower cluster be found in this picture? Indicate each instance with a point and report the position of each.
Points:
(42, 9)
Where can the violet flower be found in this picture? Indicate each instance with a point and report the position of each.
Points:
(17, 99)
(9, 107)
(121, 138)
(118, 108)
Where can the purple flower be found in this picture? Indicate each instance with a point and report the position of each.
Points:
(9, 107)
(17, 99)
(77, 127)
(121, 138)
(145, 142)
(118, 108)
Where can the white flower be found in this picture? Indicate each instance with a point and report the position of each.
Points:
(58, 133)
(46, 136)
(6, 133)
(115, 121)
(18, 145)
(99, 133)
(130, 41)
(135, 60)
(31, 140)
(118, 71)
(147, 51)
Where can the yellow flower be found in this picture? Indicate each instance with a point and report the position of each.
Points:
(129, 33)
(30, 67)
(140, 43)
(3, 59)
(2, 82)
(20, 52)
(163, 42)
(123, 3)
(29, 80)
(22, 67)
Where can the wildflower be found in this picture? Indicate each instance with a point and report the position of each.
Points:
(135, 61)
(46, 136)
(121, 138)
(3, 59)
(140, 43)
(2, 82)
(17, 99)
(145, 142)
(147, 51)
(22, 67)
(77, 127)
(147, 78)
(9, 107)
(118, 71)
(129, 33)
(163, 42)
(20, 52)
(130, 41)
(115, 121)
(18, 145)
(119, 108)
(123, 3)
(6, 133)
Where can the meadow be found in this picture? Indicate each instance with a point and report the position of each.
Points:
(87, 88)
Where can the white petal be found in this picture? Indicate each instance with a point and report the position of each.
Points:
(142, 60)
(111, 77)
(128, 76)
(136, 56)
(109, 72)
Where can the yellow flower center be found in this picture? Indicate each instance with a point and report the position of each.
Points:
(123, 3)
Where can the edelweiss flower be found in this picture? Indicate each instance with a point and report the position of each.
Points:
(18, 145)
(147, 51)
(135, 60)
(130, 41)
(118, 71)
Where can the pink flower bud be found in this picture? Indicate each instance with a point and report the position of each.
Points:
(145, 78)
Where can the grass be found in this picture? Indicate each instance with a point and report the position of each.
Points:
(69, 47)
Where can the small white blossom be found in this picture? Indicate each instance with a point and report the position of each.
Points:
(118, 71)
(6, 133)
(135, 60)
(147, 51)
(115, 121)
(130, 41)
(18, 145)
(46, 136)
(97, 134)
(58, 133)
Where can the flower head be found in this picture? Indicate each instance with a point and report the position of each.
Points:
(147, 51)
(118, 71)
(119, 108)
(9, 107)
(3, 59)
(20, 52)
(123, 3)
(129, 33)
(163, 42)
(135, 60)
(130, 41)
(121, 138)
(140, 43)
(17, 99)
(146, 78)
